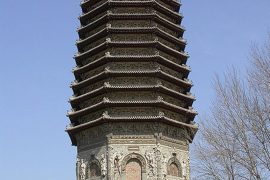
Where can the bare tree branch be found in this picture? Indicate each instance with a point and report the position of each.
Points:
(235, 139)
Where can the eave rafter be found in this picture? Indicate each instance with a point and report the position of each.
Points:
(110, 16)
(87, 3)
(74, 100)
(153, 44)
(143, 73)
(109, 4)
(72, 131)
(106, 103)
(112, 30)
(125, 58)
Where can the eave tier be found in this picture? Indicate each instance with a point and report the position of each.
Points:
(153, 16)
(88, 3)
(159, 103)
(110, 74)
(184, 69)
(75, 100)
(109, 4)
(108, 30)
(109, 44)
(191, 128)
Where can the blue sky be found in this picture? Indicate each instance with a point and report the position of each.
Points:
(37, 46)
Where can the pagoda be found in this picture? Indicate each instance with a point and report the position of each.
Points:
(132, 115)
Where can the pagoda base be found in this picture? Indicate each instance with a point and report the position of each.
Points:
(142, 152)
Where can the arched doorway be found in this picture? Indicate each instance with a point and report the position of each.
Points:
(133, 170)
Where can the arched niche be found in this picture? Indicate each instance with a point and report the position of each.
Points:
(134, 167)
(174, 167)
(94, 169)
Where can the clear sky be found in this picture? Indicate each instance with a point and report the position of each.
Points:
(36, 48)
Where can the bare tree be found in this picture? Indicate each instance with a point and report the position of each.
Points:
(235, 138)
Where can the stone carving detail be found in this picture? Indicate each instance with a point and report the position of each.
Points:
(99, 133)
(131, 10)
(162, 160)
(81, 169)
(132, 51)
(133, 66)
(106, 100)
(161, 114)
(117, 170)
(151, 163)
(115, 160)
(184, 169)
(103, 164)
(132, 96)
(127, 81)
(105, 114)
(131, 23)
(134, 112)
(132, 37)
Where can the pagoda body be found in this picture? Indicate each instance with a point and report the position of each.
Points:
(131, 116)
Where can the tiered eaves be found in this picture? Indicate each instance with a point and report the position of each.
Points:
(131, 58)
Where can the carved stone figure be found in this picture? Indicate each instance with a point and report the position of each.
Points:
(117, 169)
(164, 162)
(184, 169)
(103, 165)
(150, 156)
(83, 167)
(78, 165)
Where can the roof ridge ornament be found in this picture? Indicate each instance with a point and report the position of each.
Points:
(109, 12)
(188, 81)
(107, 69)
(107, 85)
(161, 114)
(160, 99)
(107, 54)
(105, 115)
(159, 83)
(108, 25)
(74, 83)
(106, 100)
(108, 40)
